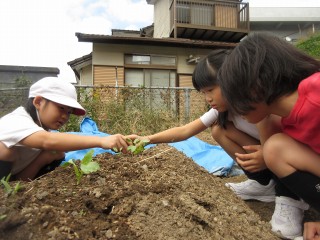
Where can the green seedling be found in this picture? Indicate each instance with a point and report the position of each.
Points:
(8, 189)
(137, 146)
(2, 217)
(87, 166)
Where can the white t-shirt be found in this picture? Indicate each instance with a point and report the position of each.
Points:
(14, 127)
(212, 115)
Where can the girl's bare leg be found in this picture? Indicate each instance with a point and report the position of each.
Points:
(284, 155)
(232, 140)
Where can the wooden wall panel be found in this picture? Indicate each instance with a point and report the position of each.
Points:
(226, 16)
(185, 81)
(106, 75)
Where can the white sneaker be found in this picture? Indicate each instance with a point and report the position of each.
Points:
(251, 189)
(287, 218)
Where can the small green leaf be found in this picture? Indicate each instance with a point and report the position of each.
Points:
(88, 157)
(67, 164)
(8, 177)
(6, 185)
(79, 176)
(17, 187)
(145, 141)
(86, 165)
(90, 167)
(132, 148)
(76, 170)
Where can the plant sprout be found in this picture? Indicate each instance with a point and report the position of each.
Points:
(137, 146)
(87, 166)
(8, 189)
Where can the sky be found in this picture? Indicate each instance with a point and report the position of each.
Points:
(42, 32)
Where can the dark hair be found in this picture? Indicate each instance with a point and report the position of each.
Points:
(31, 109)
(205, 75)
(262, 68)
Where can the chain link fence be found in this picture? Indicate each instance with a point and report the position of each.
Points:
(154, 108)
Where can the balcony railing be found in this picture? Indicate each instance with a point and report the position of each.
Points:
(209, 20)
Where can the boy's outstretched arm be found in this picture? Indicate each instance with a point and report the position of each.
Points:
(68, 142)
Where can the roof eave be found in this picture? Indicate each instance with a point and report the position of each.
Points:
(169, 42)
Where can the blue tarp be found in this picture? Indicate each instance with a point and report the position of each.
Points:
(213, 158)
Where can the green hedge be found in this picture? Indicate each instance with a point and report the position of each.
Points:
(311, 46)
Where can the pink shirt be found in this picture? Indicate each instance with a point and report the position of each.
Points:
(303, 122)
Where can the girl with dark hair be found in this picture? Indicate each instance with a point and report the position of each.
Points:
(277, 79)
(236, 136)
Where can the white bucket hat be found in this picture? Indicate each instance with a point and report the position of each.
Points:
(59, 91)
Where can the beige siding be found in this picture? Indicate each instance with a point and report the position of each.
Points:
(113, 54)
(108, 54)
(107, 75)
(185, 81)
(86, 75)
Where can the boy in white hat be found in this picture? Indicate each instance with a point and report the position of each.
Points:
(26, 143)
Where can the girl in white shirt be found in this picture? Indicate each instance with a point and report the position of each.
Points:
(236, 136)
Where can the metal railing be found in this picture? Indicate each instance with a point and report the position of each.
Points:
(212, 14)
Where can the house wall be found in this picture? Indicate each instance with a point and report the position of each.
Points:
(86, 75)
(161, 19)
(295, 23)
(106, 57)
(113, 54)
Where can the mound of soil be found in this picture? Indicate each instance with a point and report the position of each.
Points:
(160, 194)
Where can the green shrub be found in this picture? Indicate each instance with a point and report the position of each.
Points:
(126, 112)
(311, 45)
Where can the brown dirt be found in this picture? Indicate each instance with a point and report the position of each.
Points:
(160, 194)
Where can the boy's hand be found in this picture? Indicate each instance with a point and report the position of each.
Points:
(131, 139)
(116, 141)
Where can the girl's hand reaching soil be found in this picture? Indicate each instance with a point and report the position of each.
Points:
(252, 161)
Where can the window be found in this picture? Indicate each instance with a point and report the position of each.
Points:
(150, 78)
(152, 71)
(157, 97)
(135, 59)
